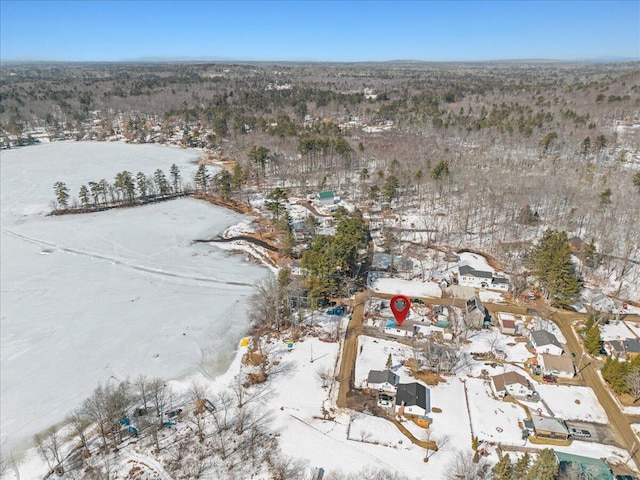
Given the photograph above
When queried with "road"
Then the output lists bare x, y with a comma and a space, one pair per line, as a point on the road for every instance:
617, 419
349, 349
563, 318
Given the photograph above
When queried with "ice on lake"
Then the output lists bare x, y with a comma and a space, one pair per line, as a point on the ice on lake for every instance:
110, 295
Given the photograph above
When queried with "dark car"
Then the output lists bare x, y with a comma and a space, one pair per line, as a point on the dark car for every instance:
626, 477
549, 379
417, 300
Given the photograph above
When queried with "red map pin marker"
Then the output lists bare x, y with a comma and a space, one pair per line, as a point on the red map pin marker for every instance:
400, 306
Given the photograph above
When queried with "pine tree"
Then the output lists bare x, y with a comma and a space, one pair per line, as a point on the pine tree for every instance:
389, 362
62, 194
143, 185
550, 262
521, 467
84, 196
503, 470
592, 341
237, 178
545, 467
160, 180
201, 179
175, 178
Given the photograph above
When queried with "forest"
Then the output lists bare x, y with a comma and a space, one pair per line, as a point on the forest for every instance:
490, 155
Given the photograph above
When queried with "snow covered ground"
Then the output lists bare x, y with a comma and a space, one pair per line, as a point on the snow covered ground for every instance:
406, 287
572, 402
113, 294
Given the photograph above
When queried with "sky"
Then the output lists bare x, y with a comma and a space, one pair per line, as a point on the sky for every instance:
307, 30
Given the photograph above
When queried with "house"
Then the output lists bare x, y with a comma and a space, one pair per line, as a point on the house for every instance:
545, 342
557, 365
384, 381
326, 198
511, 383
500, 283
470, 277
623, 349
413, 399
476, 315
507, 323
549, 427
578, 466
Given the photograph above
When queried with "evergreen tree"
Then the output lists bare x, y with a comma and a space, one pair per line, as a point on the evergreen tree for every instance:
389, 362
62, 194
605, 196
390, 188
503, 470
174, 172
440, 170
545, 467
550, 262
143, 185
592, 341
222, 181
636, 180
95, 192
521, 467
259, 156
161, 183
237, 178
201, 179
84, 196
275, 201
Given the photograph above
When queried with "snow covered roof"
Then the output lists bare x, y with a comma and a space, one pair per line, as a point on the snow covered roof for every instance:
384, 376
542, 337
414, 394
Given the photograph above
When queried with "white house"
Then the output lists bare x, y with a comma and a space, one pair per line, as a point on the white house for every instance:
545, 342
384, 381
511, 383
557, 365
413, 399
469, 277
326, 198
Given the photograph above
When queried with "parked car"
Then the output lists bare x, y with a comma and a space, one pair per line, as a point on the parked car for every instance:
626, 477
336, 311
384, 403
417, 300
577, 432
384, 396
549, 379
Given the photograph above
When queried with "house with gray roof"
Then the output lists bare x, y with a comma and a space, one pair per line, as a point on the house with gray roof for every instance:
384, 381
549, 427
623, 349
413, 399
545, 342
470, 277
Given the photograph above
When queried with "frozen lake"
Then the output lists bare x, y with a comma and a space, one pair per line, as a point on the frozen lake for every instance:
120, 293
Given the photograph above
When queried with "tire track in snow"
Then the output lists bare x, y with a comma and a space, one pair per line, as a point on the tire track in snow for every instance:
122, 263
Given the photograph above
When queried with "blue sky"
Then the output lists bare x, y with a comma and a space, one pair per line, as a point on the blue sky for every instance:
318, 31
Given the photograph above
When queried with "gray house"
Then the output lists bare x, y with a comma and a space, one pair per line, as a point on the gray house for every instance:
384, 381
413, 399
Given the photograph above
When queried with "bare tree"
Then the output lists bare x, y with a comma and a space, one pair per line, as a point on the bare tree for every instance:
48, 444
79, 422
324, 375
159, 394
463, 468
142, 386
632, 381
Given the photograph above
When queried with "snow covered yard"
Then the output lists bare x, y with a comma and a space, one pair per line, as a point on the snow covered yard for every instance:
410, 288
492, 420
572, 402
373, 354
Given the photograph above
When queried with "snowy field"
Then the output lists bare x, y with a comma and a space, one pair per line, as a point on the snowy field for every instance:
572, 403
113, 294
406, 287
